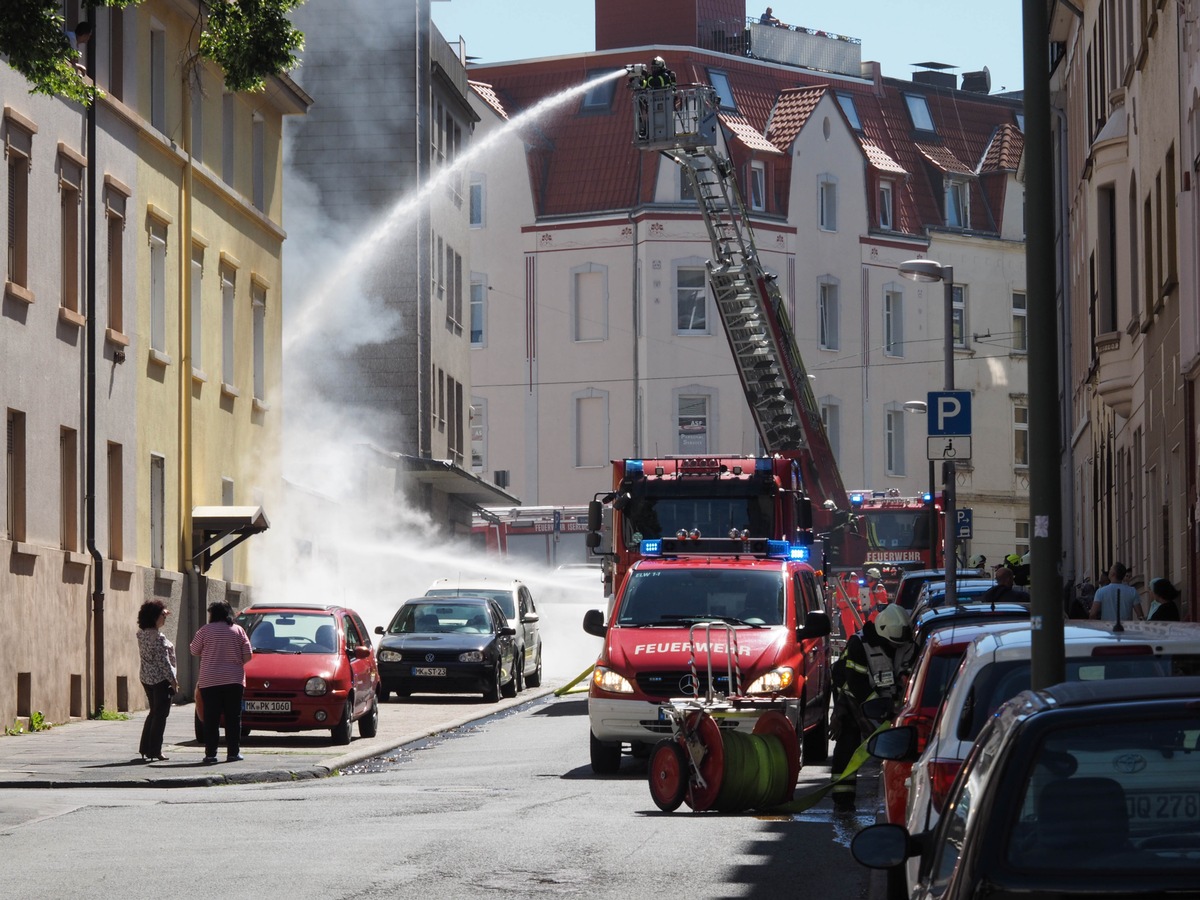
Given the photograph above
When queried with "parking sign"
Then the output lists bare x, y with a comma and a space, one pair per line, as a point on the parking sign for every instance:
949, 413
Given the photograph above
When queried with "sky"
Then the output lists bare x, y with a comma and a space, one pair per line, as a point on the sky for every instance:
965, 34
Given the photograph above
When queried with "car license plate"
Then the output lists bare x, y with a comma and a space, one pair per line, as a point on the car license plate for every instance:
1164, 806
267, 706
419, 671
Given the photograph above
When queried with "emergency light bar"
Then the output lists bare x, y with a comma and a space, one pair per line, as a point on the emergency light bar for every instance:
760, 547
856, 499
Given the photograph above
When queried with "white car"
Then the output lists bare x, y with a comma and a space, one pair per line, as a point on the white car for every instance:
517, 602
995, 668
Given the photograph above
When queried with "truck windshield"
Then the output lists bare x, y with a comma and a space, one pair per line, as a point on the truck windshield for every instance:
897, 529
682, 596
712, 507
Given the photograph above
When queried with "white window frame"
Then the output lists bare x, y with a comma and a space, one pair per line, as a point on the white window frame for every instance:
1020, 313
918, 111
258, 314
591, 325
846, 102
829, 313
478, 426
893, 440
691, 266
478, 316
827, 202
758, 186
886, 205
158, 286
720, 83
1020, 434
597, 458
957, 203
831, 418
690, 394
893, 321
477, 209
197, 336
959, 315
228, 329
158, 508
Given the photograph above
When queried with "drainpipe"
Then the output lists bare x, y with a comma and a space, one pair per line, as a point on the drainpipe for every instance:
637, 434
89, 502
185, 326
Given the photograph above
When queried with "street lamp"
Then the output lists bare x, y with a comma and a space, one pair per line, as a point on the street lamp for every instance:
927, 271
921, 408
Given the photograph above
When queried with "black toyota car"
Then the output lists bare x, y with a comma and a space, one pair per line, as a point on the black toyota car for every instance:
448, 645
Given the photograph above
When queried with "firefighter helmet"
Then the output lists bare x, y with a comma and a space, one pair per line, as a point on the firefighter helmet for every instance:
874, 573
659, 61
894, 625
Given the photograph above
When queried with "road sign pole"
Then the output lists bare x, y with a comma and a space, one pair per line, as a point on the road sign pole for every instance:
948, 499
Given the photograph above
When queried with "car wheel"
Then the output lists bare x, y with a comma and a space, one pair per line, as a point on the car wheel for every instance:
606, 758
668, 774
816, 739
509, 688
368, 725
341, 731
519, 671
535, 677
492, 693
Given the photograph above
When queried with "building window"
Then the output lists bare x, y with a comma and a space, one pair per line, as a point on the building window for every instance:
228, 310
693, 415
68, 445
959, 310
440, 269
827, 310
831, 418
827, 202
1021, 538
893, 322
116, 50
228, 137
454, 291
197, 304
691, 303
885, 205
158, 77
589, 303
687, 190
1020, 331
158, 505
19, 148
258, 156
957, 213
846, 102
477, 198
478, 311
478, 434
456, 443
158, 287
720, 83
599, 96
918, 110
1020, 434
894, 441
116, 502
70, 186
441, 401
258, 309
591, 428
758, 186
14, 479
114, 211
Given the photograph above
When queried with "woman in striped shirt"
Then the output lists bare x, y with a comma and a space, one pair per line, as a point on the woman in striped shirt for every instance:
157, 674
224, 650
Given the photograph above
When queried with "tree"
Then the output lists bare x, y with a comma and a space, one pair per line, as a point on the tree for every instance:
250, 39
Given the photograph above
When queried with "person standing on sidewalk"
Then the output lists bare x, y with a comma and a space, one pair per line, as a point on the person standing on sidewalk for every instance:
158, 674
1116, 601
224, 650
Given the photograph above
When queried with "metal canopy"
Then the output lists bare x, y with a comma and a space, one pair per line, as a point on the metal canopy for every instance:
212, 524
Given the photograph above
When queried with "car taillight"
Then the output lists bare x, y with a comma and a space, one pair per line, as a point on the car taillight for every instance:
941, 776
923, 724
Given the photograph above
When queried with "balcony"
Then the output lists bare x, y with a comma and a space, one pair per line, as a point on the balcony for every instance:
1115, 374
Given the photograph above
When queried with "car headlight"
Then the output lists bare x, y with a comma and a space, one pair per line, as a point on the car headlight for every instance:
608, 680
316, 686
471, 656
773, 682
390, 656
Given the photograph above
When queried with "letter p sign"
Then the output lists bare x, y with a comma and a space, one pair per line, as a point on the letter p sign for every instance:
949, 413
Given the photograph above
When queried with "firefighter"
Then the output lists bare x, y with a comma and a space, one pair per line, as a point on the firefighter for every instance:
659, 75
876, 663
875, 595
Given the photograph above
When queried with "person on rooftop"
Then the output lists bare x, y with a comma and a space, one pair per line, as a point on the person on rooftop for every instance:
768, 18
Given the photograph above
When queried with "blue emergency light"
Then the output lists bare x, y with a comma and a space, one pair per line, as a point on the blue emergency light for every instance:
856, 499
651, 547
634, 467
927, 497
762, 465
799, 554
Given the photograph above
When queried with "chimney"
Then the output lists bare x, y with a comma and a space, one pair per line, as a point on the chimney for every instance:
936, 79
977, 82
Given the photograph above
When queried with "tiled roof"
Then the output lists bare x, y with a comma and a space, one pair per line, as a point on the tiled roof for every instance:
747, 134
583, 161
488, 96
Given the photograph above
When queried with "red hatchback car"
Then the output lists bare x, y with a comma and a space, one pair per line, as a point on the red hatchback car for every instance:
313, 667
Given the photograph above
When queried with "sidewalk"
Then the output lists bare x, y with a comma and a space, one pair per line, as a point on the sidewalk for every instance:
104, 753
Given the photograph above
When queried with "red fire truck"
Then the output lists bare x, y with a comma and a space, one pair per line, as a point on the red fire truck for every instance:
550, 535
898, 529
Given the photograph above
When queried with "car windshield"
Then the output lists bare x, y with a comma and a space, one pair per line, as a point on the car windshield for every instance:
291, 632
1120, 797
502, 597
681, 596
1003, 681
441, 618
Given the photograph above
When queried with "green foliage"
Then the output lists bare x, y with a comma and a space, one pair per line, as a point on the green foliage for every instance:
109, 715
37, 722
250, 39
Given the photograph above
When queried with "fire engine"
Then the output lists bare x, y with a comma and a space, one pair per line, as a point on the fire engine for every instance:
553, 535
796, 487
898, 528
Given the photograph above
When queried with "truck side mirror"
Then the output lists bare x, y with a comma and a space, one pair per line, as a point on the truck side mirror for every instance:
593, 622
595, 512
816, 625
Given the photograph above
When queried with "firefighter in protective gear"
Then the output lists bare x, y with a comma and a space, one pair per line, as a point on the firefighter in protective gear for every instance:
876, 663
848, 604
875, 596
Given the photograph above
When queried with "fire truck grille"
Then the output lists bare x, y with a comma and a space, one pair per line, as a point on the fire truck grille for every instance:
679, 683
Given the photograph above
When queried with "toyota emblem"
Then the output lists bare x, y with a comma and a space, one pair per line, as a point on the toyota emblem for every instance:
1130, 763
687, 685
428, 657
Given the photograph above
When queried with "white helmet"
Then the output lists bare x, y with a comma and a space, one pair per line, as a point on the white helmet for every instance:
893, 624
874, 573
659, 61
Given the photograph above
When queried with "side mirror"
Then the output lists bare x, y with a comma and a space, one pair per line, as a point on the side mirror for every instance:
897, 744
379, 629
508, 631
593, 622
883, 846
595, 511
816, 625
531, 617
362, 652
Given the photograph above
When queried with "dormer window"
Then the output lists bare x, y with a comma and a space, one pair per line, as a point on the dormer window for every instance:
846, 102
885, 205
918, 110
957, 196
758, 186
599, 97
720, 83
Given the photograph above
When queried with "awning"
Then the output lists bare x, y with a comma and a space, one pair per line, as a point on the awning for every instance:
211, 524
445, 476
